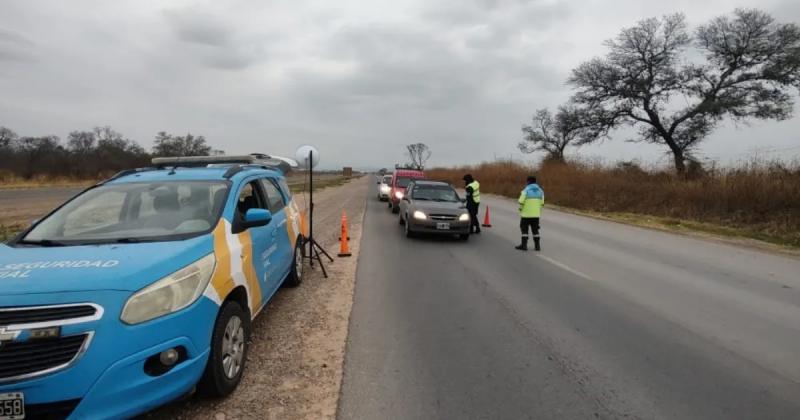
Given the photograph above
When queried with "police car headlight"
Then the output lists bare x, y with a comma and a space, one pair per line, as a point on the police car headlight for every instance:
420, 215
170, 294
385, 189
464, 217
398, 194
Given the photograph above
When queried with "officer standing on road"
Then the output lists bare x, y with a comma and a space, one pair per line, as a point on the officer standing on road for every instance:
531, 201
473, 202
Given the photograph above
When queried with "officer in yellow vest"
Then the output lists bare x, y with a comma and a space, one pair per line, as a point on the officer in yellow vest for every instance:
473, 202
531, 201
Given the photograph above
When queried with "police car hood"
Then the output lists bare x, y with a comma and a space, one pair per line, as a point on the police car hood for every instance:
128, 267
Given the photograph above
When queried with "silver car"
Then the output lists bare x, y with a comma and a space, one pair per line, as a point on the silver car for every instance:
433, 207
384, 187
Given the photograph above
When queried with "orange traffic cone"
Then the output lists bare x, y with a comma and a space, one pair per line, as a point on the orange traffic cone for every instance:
486, 222
344, 240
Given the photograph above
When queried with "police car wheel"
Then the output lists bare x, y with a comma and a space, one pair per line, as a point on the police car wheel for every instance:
229, 346
296, 275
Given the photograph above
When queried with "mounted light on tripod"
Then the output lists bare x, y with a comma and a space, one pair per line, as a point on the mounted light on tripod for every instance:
307, 158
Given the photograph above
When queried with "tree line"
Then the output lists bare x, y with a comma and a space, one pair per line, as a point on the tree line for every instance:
89, 154
675, 85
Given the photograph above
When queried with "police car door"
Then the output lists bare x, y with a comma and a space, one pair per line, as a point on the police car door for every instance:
256, 243
281, 257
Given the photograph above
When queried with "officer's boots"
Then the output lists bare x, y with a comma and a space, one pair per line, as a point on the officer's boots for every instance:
536, 244
524, 245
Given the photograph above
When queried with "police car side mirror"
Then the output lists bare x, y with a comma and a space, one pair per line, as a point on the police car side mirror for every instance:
256, 217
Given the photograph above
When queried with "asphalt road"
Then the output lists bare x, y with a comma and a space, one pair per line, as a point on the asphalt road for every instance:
608, 321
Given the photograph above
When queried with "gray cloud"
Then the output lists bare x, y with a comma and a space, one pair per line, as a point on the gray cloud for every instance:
214, 42
14, 47
359, 79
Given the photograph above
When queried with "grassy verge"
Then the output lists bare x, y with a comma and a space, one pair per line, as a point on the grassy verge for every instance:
8, 231
690, 227
28, 185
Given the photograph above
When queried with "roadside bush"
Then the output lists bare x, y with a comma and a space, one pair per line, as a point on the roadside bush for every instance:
761, 199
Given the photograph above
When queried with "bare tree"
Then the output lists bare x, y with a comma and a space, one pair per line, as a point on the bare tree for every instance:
188, 145
7, 136
647, 79
418, 154
552, 134
34, 153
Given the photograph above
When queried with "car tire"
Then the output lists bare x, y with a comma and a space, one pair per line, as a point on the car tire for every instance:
390, 204
409, 233
295, 277
395, 209
229, 346
464, 236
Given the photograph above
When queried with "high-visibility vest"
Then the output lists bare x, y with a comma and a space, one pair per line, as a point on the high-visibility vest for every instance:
531, 201
476, 191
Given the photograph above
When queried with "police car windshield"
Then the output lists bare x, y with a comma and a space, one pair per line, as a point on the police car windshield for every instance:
135, 212
435, 193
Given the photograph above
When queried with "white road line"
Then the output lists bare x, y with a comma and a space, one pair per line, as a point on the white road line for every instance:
564, 266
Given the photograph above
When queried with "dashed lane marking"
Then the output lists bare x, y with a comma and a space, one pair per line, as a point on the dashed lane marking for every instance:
564, 266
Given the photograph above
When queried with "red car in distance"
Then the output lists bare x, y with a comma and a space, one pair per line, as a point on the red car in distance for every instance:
400, 181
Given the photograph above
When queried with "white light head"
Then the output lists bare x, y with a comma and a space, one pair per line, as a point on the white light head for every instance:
302, 156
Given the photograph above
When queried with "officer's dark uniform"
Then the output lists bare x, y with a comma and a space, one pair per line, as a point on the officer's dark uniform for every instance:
473, 202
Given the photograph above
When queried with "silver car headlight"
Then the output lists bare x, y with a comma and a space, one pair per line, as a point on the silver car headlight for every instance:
420, 215
464, 217
170, 294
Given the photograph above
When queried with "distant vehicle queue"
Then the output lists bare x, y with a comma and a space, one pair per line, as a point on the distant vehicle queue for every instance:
428, 206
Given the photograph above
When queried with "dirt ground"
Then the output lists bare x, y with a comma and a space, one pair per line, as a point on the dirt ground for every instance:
19, 207
294, 368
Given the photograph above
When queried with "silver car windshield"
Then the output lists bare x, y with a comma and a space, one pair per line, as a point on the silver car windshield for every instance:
435, 193
133, 212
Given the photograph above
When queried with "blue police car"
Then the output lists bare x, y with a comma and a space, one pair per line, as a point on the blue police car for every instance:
143, 287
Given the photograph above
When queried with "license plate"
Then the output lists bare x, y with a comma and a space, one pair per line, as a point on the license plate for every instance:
443, 226
12, 406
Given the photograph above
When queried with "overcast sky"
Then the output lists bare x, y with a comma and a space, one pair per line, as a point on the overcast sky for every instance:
359, 79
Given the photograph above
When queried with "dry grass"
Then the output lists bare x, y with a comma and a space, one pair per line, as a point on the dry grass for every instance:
758, 200
10, 181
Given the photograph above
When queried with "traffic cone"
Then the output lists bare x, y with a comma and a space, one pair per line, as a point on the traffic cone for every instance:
486, 222
344, 240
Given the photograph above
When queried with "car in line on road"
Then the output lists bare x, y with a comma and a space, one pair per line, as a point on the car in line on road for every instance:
433, 207
400, 181
385, 187
144, 286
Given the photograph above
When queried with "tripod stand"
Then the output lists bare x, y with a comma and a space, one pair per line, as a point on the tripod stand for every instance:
314, 247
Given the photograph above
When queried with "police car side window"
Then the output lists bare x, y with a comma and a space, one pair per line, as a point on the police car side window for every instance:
274, 196
249, 198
